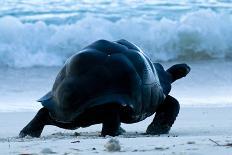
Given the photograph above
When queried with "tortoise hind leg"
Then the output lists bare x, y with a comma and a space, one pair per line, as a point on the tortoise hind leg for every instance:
165, 116
111, 121
35, 127
178, 71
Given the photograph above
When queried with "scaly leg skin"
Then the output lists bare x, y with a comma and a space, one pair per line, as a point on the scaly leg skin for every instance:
35, 127
165, 116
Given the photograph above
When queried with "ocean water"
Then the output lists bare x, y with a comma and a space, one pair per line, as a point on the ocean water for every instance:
36, 37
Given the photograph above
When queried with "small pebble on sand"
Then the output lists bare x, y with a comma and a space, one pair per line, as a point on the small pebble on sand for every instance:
76, 134
161, 148
47, 151
191, 142
112, 145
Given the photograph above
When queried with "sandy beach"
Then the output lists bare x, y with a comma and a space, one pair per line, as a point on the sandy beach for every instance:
193, 133
37, 37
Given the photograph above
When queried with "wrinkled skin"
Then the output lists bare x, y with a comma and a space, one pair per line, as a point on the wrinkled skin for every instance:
109, 83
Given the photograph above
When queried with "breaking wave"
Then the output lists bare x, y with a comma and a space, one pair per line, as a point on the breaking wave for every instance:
203, 34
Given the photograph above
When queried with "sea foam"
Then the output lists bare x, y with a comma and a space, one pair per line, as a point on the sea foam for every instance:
202, 34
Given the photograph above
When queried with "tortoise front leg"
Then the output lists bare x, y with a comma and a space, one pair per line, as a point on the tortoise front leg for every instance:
165, 116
